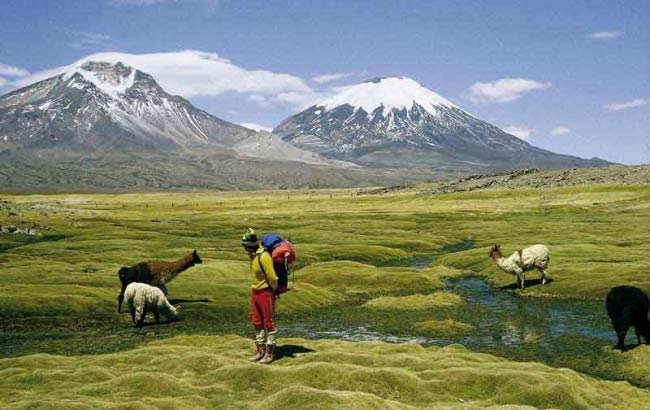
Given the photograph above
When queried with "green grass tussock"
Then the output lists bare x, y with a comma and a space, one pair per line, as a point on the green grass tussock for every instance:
436, 300
190, 372
630, 365
442, 328
362, 278
364, 261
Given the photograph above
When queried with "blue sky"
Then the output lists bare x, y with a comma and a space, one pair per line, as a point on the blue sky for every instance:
573, 77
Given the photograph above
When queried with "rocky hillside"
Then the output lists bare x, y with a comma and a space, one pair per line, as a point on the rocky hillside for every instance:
110, 126
533, 178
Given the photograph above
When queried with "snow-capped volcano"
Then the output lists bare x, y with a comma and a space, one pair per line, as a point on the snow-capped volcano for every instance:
387, 93
101, 104
396, 122
101, 124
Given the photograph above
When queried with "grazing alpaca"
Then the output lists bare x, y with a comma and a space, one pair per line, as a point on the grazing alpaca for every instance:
154, 273
629, 306
142, 298
522, 261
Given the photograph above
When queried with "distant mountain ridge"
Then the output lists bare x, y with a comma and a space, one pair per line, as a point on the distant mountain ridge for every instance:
396, 122
111, 126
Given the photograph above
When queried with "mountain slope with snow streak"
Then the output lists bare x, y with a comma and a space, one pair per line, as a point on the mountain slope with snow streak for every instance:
397, 122
101, 104
109, 126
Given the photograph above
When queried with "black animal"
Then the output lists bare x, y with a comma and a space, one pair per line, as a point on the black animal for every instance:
154, 273
629, 306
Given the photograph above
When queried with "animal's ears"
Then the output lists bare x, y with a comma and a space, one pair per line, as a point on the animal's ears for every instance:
194, 251
497, 246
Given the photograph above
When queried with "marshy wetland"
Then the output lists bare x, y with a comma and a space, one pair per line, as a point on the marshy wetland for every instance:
395, 303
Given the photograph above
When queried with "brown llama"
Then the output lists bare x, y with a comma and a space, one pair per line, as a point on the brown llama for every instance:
154, 273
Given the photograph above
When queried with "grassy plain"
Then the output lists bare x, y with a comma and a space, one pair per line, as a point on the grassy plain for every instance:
58, 296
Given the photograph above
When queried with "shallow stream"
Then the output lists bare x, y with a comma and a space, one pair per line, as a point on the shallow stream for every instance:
552, 330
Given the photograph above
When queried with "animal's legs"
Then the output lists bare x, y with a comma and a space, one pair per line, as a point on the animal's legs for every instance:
544, 275
139, 315
132, 311
120, 298
163, 288
621, 339
621, 326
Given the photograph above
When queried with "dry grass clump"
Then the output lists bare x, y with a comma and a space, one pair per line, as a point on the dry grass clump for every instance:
442, 328
631, 365
436, 300
445, 272
359, 277
194, 372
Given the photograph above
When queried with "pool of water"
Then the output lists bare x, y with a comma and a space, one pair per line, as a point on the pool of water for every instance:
552, 330
504, 318
500, 318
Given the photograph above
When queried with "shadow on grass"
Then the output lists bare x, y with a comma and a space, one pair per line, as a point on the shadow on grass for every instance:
161, 323
527, 283
291, 351
174, 301
629, 347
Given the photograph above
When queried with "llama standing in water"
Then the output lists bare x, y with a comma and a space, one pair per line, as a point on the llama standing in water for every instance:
522, 261
155, 273
629, 306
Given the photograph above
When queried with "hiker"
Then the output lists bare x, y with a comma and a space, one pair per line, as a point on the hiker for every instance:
263, 294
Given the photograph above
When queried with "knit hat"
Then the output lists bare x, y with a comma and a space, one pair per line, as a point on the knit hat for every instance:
249, 239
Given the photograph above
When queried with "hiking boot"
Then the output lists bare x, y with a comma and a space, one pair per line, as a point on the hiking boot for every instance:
259, 353
268, 356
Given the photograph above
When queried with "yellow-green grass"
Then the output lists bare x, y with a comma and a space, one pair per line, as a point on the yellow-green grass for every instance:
193, 372
630, 365
436, 300
442, 328
362, 278
351, 250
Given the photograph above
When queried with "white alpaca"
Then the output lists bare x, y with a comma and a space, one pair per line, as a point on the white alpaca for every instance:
522, 261
142, 298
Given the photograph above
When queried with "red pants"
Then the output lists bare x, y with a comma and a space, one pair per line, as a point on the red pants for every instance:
263, 302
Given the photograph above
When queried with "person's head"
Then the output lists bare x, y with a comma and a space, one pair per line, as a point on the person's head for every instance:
249, 241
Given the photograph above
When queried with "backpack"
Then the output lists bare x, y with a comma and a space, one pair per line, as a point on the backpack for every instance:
283, 254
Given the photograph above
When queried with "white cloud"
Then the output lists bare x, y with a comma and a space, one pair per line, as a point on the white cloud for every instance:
256, 127
523, 133
559, 131
12, 71
328, 78
301, 100
503, 90
639, 102
192, 73
605, 35
257, 98
88, 39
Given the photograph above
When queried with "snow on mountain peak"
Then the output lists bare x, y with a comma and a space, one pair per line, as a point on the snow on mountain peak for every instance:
387, 92
112, 79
